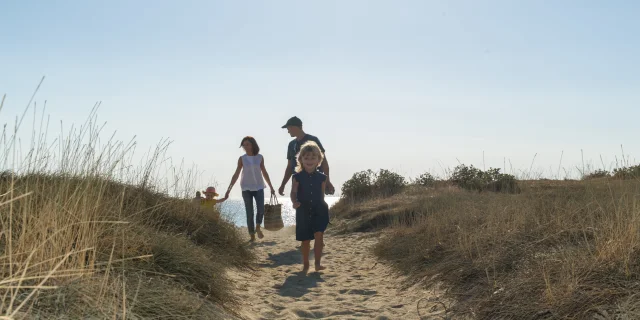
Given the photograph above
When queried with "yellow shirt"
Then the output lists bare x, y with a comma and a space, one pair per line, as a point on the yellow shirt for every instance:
209, 205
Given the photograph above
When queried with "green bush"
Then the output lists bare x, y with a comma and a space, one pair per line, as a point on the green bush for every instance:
597, 175
632, 172
359, 186
472, 178
426, 180
388, 183
366, 184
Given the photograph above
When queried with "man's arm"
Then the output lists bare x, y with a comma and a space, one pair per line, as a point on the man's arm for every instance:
287, 175
325, 168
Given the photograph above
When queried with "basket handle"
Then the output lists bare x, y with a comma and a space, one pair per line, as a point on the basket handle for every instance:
273, 200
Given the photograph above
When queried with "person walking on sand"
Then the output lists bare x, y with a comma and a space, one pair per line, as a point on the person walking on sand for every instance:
307, 195
252, 167
294, 128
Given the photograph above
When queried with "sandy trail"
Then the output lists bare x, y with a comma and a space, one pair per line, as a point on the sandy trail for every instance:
355, 284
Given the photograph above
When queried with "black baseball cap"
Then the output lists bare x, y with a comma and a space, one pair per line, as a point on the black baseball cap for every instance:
293, 121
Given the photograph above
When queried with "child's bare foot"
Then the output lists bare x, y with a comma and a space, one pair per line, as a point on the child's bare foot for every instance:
319, 267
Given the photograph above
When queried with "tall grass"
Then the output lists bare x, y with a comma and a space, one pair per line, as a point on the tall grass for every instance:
87, 234
557, 250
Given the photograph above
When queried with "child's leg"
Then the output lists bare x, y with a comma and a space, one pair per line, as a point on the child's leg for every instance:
318, 244
306, 249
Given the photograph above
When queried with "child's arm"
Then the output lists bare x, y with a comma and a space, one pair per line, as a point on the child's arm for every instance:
294, 194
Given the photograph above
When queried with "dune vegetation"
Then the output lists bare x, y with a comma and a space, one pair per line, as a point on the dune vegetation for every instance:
505, 248
85, 234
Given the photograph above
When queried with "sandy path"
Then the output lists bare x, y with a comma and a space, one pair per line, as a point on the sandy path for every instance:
354, 286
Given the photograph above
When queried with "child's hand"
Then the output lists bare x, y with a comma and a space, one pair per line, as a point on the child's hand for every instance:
296, 205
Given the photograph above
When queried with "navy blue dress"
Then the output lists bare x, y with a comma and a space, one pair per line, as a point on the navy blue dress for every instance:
313, 214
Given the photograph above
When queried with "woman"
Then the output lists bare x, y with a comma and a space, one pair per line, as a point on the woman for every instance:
251, 164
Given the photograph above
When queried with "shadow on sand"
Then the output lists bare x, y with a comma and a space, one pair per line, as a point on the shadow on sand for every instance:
263, 244
297, 285
286, 258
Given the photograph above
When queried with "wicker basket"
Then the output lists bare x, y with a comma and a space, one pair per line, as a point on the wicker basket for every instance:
273, 215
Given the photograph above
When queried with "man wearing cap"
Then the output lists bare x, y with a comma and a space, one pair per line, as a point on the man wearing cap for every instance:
294, 127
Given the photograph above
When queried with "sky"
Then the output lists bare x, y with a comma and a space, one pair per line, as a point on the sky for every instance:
409, 86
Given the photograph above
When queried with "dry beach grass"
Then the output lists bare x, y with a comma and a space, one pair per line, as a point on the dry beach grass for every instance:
86, 235
556, 250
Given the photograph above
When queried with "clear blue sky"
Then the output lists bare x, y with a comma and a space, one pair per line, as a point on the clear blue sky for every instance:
405, 85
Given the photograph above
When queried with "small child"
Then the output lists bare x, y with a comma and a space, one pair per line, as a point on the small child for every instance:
209, 202
198, 199
307, 195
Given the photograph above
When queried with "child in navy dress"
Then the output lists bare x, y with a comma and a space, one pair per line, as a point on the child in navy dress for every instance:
307, 195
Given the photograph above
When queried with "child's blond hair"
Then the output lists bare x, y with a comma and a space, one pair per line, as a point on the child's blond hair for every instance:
309, 147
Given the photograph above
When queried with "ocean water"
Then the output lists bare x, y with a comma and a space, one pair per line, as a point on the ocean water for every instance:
234, 210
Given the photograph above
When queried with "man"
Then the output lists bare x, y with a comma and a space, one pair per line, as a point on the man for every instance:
294, 127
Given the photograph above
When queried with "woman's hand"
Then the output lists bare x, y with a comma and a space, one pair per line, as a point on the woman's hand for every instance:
296, 205
273, 191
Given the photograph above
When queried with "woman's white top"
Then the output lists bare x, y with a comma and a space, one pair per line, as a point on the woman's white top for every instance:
251, 173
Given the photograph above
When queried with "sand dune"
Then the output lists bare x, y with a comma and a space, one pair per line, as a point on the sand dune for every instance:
354, 286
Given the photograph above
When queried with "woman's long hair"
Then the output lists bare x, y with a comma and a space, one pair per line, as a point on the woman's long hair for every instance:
254, 145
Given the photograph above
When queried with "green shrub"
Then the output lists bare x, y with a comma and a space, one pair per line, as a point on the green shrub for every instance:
598, 174
632, 172
388, 183
472, 178
426, 180
359, 186
366, 184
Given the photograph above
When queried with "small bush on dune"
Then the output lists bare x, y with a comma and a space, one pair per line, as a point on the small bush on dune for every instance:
426, 180
472, 178
368, 184
598, 174
359, 186
632, 172
388, 183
